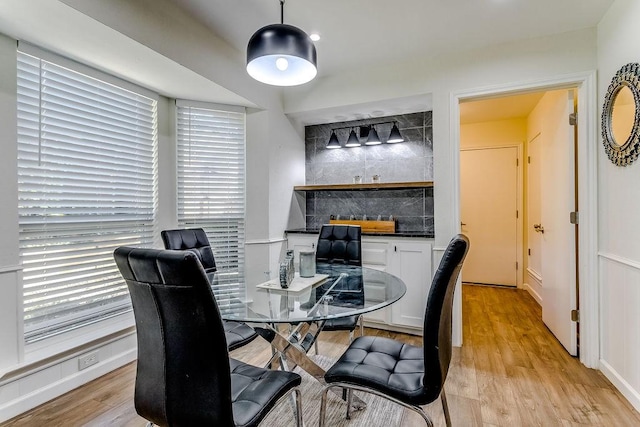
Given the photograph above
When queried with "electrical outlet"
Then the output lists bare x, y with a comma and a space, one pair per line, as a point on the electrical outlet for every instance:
87, 360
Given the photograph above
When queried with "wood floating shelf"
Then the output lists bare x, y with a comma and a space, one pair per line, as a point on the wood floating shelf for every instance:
368, 226
368, 186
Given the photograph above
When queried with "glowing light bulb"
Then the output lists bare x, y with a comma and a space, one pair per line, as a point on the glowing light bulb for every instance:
282, 64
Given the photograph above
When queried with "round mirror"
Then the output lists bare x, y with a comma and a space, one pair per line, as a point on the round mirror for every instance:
621, 116
623, 113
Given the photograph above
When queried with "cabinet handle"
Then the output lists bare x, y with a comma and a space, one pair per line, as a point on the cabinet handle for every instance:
395, 249
313, 246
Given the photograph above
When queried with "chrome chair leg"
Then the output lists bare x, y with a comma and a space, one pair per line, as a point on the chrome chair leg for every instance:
349, 398
445, 408
361, 321
298, 414
323, 407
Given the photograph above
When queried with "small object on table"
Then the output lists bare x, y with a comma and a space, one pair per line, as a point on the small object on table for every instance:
284, 274
307, 263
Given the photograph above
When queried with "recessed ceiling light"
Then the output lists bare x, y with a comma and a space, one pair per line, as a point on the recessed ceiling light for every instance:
315, 37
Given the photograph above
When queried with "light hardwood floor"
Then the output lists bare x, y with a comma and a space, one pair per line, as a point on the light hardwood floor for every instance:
510, 372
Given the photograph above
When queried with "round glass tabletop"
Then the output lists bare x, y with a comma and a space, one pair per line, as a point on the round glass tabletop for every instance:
335, 291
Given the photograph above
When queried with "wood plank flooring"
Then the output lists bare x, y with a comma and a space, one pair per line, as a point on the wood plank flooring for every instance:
510, 372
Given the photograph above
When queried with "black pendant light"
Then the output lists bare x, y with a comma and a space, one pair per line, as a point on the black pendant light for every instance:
281, 55
333, 141
353, 140
394, 135
373, 138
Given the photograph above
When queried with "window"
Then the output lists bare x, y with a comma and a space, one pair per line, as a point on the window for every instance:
87, 184
211, 187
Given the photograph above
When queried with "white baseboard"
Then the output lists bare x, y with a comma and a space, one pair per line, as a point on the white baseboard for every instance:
536, 296
632, 395
29, 401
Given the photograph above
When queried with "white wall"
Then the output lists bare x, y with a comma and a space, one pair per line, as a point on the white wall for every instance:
517, 62
619, 209
496, 133
10, 309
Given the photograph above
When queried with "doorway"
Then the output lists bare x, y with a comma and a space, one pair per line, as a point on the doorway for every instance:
587, 154
540, 121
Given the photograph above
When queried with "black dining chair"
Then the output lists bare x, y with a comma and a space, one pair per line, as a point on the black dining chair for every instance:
196, 241
408, 375
182, 378
340, 244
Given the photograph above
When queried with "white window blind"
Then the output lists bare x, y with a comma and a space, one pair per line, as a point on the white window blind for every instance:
87, 184
211, 188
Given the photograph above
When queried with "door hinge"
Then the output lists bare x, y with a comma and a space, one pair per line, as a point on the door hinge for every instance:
575, 315
574, 218
528, 159
517, 162
573, 119
529, 251
517, 213
516, 265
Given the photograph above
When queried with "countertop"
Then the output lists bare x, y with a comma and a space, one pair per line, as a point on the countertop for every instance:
418, 233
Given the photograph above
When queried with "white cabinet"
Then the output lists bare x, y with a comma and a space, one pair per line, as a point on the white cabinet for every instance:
375, 254
408, 258
411, 261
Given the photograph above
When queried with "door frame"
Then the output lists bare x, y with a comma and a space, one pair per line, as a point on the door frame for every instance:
588, 145
519, 204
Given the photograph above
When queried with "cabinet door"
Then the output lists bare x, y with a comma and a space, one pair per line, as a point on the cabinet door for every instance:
376, 255
411, 261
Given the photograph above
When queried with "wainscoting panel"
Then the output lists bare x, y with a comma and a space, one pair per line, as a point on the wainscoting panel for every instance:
620, 323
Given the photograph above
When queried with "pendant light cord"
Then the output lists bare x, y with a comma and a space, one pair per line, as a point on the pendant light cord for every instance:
282, 11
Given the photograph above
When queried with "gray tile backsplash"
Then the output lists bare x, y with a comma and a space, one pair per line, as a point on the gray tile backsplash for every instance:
411, 160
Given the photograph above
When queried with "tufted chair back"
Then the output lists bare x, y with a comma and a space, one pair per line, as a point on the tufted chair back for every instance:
339, 244
181, 378
194, 240
437, 318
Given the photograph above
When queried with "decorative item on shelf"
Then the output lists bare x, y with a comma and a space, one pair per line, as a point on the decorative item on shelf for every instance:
375, 179
368, 133
357, 179
281, 54
307, 263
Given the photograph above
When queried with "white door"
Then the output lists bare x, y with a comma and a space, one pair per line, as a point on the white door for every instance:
558, 238
489, 204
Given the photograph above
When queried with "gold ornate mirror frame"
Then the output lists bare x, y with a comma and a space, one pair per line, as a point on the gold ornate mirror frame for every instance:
622, 153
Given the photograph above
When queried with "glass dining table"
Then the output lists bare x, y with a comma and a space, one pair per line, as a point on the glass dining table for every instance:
335, 291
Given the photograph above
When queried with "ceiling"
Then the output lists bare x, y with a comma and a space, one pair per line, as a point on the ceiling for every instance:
509, 107
365, 33
356, 34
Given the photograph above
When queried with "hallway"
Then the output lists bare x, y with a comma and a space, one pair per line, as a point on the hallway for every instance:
511, 371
